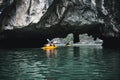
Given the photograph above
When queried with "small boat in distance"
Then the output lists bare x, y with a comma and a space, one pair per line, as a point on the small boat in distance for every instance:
67, 44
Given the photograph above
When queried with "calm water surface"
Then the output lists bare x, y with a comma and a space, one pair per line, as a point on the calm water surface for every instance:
64, 63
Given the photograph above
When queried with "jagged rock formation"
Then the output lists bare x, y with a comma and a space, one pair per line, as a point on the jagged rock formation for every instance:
99, 18
20, 13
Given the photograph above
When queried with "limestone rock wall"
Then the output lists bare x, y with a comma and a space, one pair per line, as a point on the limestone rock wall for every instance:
57, 18
20, 13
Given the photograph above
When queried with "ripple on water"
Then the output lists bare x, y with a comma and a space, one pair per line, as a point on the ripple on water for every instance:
66, 63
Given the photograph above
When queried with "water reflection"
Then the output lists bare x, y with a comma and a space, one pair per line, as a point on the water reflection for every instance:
111, 58
76, 51
64, 63
51, 53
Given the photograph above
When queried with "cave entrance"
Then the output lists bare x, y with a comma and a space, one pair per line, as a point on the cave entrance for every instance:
85, 39
77, 39
81, 39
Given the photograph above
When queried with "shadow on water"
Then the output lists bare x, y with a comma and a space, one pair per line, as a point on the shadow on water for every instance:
76, 51
63, 63
111, 58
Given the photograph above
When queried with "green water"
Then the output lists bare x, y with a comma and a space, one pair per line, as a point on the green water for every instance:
64, 63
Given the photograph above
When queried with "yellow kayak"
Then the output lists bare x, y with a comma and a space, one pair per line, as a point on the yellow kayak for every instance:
49, 47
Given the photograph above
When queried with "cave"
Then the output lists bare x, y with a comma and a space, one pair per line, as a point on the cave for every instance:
60, 18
